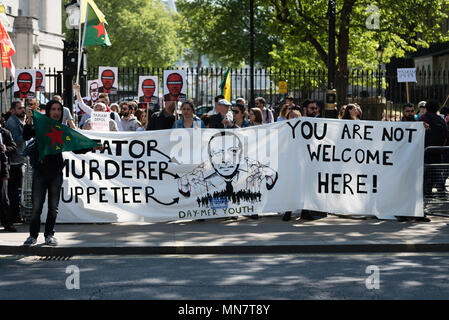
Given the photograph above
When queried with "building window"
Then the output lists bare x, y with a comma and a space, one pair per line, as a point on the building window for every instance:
8, 9
19, 12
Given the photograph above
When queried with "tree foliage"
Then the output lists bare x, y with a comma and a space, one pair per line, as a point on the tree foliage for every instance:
220, 31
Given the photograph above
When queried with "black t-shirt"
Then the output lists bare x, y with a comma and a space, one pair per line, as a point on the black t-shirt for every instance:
160, 121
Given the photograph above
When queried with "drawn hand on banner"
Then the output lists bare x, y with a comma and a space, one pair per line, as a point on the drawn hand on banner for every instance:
192, 182
257, 173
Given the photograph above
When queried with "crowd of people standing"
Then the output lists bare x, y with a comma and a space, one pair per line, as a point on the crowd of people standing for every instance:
17, 129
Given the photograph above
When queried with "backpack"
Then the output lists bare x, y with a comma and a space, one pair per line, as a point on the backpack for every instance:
437, 134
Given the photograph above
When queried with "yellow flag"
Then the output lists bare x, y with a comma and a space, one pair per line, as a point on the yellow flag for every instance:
99, 14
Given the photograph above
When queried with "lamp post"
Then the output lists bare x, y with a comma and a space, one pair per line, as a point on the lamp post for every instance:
70, 51
380, 52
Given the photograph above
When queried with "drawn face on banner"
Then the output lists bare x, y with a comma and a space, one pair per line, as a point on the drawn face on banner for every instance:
107, 79
93, 91
25, 82
148, 87
174, 84
39, 79
225, 153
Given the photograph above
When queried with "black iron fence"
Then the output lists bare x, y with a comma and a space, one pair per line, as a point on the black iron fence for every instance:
371, 89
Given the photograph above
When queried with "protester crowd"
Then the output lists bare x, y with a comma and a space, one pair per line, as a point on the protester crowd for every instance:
17, 129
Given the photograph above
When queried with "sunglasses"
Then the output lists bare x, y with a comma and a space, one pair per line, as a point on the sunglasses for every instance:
236, 111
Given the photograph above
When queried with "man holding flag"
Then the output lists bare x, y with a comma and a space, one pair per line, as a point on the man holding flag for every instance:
52, 139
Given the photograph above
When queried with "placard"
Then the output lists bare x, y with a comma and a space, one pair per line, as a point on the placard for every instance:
148, 89
100, 121
406, 74
175, 86
108, 77
25, 83
40, 80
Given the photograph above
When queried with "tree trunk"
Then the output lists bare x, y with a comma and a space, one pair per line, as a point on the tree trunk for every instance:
343, 48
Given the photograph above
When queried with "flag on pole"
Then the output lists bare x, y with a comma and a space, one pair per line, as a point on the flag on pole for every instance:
53, 137
94, 31
225, 85
6, 49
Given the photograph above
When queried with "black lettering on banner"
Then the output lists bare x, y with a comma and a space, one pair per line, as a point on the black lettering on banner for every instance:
140, 166
62, 196
83, 169
90, 192
118, 146
124, 195
308, 130
338, 183
125, 169
107, 165
79, 191
93, 167
103, 195
397, 134
107, 148
348, 134
131, 149
135, 194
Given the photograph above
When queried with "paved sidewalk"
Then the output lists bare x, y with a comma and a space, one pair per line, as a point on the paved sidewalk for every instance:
269, 234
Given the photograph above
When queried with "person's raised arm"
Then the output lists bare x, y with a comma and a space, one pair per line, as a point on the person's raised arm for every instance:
84, 107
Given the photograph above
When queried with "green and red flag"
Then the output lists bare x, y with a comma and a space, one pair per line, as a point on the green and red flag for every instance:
225, 85
53, 137
95, 33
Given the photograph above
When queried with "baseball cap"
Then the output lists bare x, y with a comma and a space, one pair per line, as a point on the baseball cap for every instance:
224, 102
421, 104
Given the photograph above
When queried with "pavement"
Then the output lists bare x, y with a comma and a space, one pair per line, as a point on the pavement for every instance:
268, 234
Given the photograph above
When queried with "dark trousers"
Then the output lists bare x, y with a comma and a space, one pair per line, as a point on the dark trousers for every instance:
14, 189
5, 212
43, 184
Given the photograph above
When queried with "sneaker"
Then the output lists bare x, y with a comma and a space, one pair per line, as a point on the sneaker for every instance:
29, 242
51, 241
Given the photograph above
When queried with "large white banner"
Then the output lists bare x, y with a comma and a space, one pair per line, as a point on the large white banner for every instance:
335, 166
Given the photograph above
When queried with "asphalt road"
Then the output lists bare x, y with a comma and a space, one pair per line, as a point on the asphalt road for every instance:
307, 276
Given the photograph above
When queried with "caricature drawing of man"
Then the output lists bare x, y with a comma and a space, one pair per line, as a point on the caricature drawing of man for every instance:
227, 174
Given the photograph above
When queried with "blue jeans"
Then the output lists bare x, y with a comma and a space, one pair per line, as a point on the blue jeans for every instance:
41, 184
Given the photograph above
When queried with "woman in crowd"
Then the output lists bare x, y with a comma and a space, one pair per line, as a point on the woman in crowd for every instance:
352, 112
189, 119
255, 116
293, 114
239, 114
115, 108
284, 112
141, 115
100, 107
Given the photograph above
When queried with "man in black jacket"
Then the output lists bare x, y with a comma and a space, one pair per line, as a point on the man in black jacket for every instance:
223, 118
7, 148
47, 178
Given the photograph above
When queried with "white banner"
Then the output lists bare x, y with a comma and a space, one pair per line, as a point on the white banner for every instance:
335, 166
